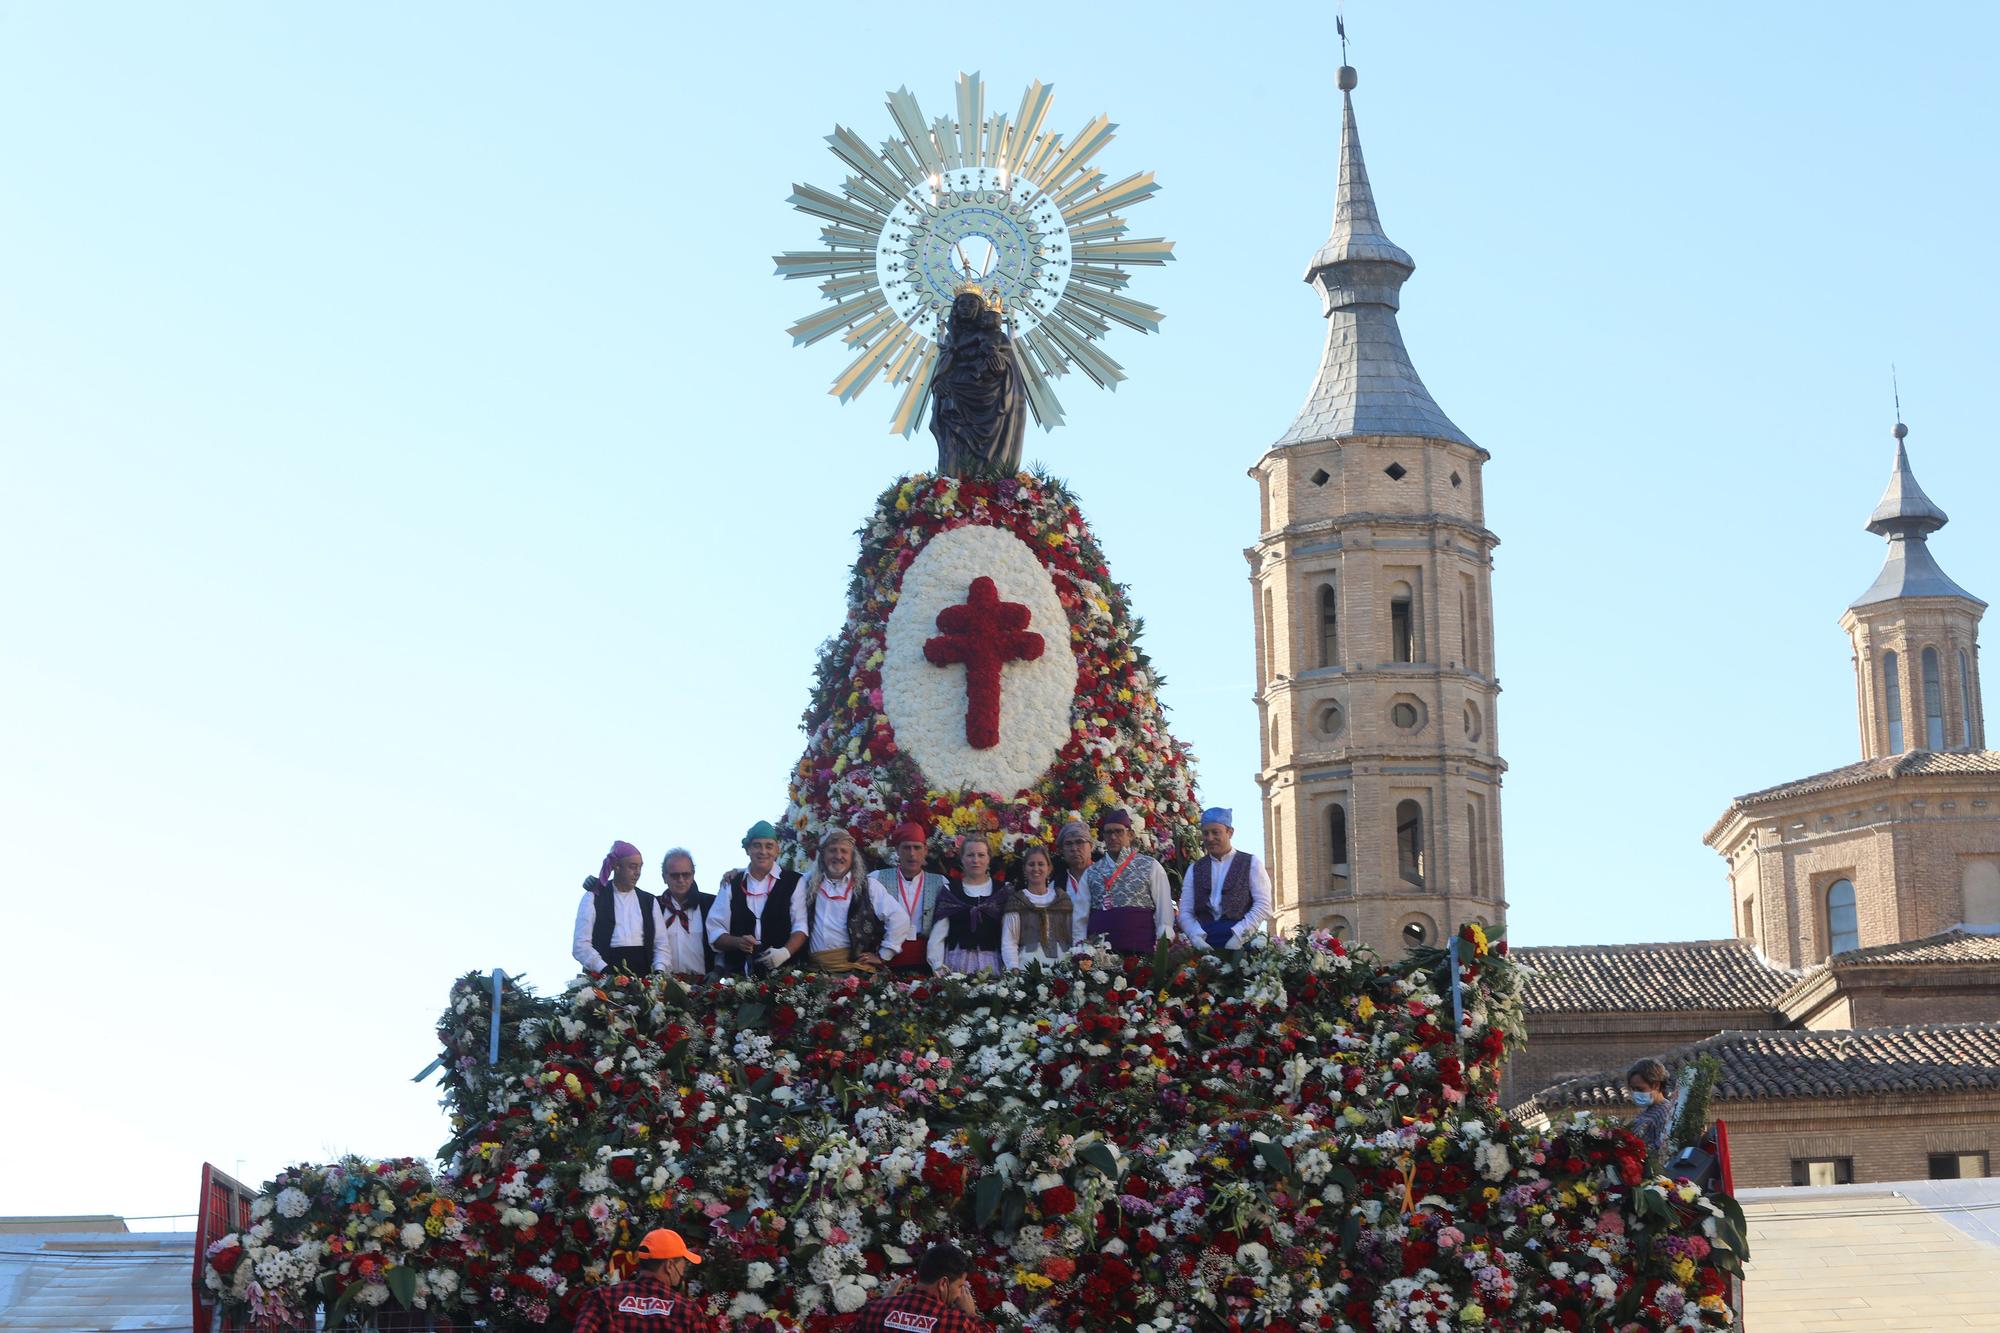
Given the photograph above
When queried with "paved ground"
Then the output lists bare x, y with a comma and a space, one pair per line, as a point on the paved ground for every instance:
1921, 1256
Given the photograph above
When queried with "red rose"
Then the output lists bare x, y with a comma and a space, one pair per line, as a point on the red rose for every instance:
624, 1168
224, 1261
1058, 1201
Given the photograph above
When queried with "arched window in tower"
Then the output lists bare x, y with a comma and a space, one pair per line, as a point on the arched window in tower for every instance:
1402, 623
1270, 640
1475, 881
1933, 702
1336, 840
1468, 620
1843, 930
1410, 841
1964, 702
1329, 626
1892, 702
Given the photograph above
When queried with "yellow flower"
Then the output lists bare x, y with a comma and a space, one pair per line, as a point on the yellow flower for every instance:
1478, 938
1033, 1281
1366, 1010
1474, 1314
1683, 1270
902, 504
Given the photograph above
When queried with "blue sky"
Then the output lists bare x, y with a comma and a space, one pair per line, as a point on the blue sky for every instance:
409, 486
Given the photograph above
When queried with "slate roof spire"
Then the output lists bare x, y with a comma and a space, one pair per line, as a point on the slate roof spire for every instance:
1906, 516
1366, 384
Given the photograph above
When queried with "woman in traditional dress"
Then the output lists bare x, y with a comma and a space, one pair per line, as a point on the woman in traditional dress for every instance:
965, 936
1040, 925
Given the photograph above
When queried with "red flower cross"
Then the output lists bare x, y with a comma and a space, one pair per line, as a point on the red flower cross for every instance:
983, 634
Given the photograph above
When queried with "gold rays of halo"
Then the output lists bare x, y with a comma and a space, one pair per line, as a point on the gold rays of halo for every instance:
978, 200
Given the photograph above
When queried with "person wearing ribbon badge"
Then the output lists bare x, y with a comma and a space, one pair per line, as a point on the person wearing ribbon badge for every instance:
916, 891
1226, 895
851, 922
750, 924
1130, 899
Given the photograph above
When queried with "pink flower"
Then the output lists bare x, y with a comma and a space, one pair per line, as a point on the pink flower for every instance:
1611, 1224
1450, 1238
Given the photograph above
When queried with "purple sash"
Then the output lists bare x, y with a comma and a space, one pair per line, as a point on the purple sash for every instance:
1132, 929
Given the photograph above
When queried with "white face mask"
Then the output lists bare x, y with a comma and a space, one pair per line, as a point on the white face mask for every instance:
1642, 1099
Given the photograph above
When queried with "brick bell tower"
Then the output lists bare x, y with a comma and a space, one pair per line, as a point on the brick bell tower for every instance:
1371, 584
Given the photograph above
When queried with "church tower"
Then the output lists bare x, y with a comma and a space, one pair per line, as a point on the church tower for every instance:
1372, 590
1915, 634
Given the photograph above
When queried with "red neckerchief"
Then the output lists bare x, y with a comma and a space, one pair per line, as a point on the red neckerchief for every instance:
845, 893
1112, 878
749, 879
676, 915
908, 900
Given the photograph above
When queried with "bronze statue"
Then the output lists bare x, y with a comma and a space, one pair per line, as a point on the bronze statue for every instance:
978, 409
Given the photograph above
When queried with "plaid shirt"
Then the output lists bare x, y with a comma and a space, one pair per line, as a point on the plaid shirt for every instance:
912, 1311
642, 1304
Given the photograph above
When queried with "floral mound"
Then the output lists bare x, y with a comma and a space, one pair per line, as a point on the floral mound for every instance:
1299, 1140
887, 725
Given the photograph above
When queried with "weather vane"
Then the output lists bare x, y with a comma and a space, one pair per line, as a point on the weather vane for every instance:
979, 202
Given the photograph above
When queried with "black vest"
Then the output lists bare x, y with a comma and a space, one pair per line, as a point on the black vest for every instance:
607, 921
865, 927
777, 924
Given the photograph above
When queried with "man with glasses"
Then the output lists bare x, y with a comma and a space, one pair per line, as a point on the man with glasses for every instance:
686, 951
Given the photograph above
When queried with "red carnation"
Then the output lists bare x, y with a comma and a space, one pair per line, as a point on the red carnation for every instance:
1058, 1201
623, 1168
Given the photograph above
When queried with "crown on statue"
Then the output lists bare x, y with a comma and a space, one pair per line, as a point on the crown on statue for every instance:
971, 287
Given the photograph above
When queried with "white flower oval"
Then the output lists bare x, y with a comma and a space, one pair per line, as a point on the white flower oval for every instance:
926, 704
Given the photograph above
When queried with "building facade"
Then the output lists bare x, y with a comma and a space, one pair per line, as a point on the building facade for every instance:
1855, 1019
1371, 585
1906, 842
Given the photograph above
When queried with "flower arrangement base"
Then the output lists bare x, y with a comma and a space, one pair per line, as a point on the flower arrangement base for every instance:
987, 679
1296, 1139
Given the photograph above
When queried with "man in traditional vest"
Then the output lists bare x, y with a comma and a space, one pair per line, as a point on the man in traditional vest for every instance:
1130, 899
1226, 895
618, 923
851, 922
915, 890
750, 923
684, 918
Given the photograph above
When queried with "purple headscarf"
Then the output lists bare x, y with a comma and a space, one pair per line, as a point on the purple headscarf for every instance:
619, 851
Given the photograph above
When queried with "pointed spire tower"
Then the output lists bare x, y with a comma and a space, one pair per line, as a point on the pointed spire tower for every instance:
1372, 582
1915, 633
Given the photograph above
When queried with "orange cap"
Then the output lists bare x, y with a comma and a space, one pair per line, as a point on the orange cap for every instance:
666, 1245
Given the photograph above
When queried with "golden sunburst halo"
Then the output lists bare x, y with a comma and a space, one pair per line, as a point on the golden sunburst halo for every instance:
974, 201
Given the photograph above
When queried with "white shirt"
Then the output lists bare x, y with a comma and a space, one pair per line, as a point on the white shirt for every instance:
756, 892
829, 915
1260, 900
916, 896
683, 949
1011, 956
1079, 901
628, 929
934, 948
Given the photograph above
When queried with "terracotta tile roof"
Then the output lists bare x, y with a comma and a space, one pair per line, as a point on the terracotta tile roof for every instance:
1957, 945
1650, 978
1764, 1066
1916, 763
